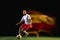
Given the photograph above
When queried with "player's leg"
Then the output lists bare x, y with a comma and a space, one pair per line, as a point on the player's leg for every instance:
25, 28
26, 33
19, 35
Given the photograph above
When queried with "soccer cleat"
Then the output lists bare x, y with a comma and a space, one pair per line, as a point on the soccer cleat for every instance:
26, 34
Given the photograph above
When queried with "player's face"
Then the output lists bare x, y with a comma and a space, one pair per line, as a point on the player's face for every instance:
24, 12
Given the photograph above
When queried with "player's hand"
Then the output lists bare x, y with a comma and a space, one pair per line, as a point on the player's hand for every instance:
16, 24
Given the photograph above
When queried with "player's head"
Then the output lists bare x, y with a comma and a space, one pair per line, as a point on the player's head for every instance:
24, 12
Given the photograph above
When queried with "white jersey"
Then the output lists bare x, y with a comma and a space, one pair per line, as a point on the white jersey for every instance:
26, 18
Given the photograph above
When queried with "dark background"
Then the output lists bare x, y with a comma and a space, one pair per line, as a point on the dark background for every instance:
10, 15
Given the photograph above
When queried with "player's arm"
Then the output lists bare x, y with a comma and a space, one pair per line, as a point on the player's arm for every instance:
30, 20
20, 21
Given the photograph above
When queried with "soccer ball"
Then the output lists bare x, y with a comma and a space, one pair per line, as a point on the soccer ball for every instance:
18, 37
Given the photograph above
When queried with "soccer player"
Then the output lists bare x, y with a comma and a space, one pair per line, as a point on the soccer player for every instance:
27, 23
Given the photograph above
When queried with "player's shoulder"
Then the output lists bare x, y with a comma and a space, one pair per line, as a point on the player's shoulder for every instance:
28, 15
